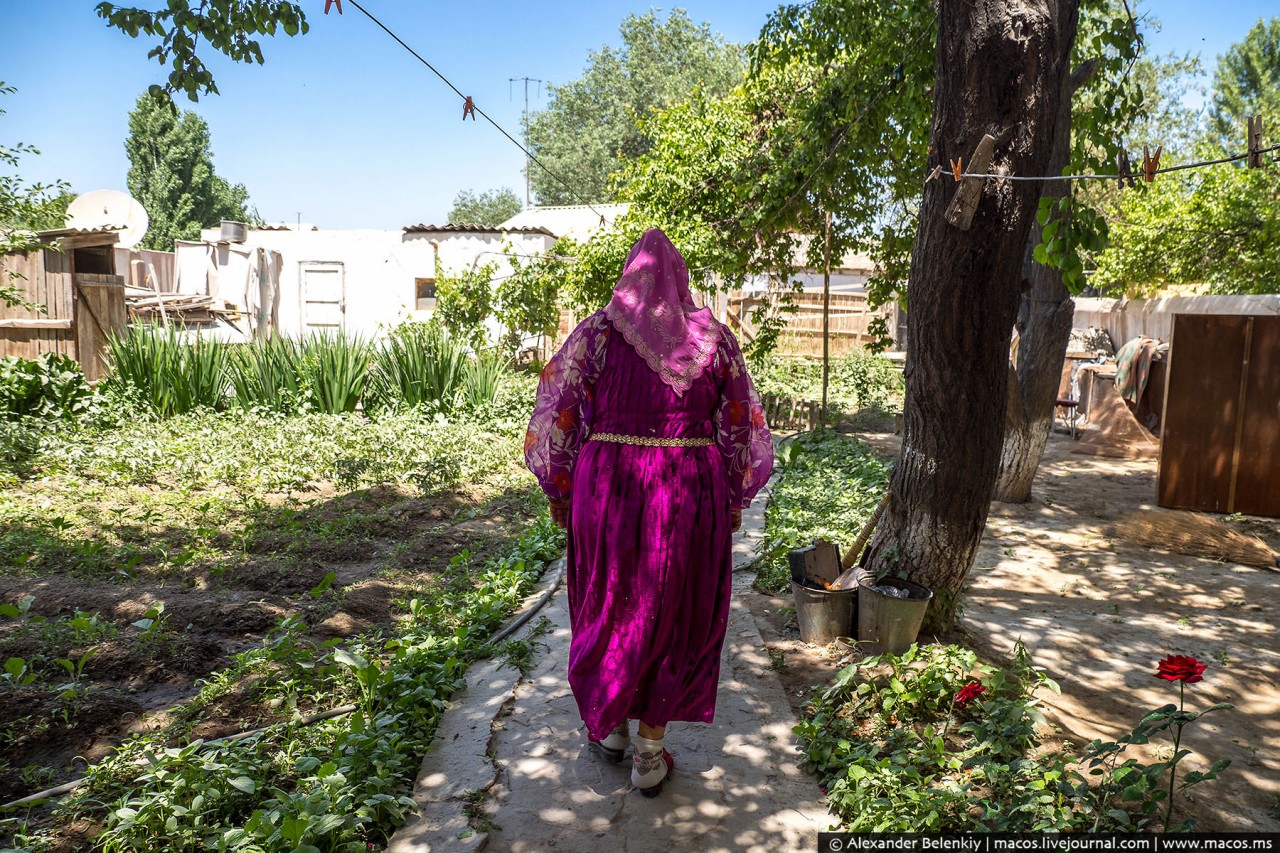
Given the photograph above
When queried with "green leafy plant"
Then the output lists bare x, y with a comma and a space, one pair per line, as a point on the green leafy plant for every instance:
168, 371
50, 386
1140, 784
419, 364
268, 374
464, 302
828, 488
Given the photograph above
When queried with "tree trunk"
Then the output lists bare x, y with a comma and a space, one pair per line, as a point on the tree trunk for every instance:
1000, 66
1044, 328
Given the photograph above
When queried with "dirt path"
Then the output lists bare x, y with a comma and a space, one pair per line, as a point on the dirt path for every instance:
1098, 613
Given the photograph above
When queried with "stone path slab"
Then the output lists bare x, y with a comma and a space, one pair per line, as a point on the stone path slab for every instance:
520, 743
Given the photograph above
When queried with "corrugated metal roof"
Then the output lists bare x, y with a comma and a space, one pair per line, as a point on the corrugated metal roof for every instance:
68, 232
454, 227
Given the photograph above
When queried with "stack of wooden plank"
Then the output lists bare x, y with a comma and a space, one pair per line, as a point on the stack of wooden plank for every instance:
147, 305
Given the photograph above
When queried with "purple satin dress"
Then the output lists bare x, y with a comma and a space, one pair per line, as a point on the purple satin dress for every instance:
649, 559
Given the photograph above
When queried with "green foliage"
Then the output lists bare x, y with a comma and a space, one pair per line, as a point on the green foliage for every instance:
828, 487
1217, 226
858, 380
464, 301
335, 371
591, 123
419, 364
1245, 83
24, 208
49, 386
169, 372
269, 374
182, 27
171, 174
898, 750
490, 208
528, 300
338, 785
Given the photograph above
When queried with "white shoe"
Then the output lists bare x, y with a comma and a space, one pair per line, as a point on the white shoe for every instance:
613, 745
650, 765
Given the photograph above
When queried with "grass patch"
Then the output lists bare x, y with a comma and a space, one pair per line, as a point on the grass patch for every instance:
828, 487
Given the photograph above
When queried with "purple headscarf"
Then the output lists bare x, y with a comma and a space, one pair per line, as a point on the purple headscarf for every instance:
654, 311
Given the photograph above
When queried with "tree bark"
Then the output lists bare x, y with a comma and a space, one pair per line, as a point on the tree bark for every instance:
1000, 66
1044, 329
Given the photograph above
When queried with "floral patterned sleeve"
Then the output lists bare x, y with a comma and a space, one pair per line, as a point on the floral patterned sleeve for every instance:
741, 433
563, 406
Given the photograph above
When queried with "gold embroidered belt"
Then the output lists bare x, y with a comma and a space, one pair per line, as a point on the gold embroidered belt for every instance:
646, 441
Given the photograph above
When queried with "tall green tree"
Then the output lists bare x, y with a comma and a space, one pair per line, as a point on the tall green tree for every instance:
1217, 225
184, 27
1247, 82
592, 122
171, 174
489, 208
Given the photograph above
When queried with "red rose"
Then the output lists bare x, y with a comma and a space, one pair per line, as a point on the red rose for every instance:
969, 692
566, 420
1180, 668
563, 482
757, 416
736, 411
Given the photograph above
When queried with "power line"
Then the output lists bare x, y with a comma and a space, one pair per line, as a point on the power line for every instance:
466, 100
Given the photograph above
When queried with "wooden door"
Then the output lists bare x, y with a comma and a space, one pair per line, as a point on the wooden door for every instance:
324, 302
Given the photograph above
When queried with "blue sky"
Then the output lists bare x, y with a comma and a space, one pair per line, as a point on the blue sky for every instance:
346, 129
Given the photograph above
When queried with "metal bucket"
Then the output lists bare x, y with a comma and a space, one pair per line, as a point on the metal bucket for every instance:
889, 624
824, 614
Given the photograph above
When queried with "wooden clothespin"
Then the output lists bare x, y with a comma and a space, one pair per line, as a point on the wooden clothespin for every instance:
328, 3
469, 109
1255, 142
937, 170
957, 167
1150, 164
1124, 170
964, 204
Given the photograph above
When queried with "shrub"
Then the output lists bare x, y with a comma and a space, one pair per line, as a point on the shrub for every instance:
418, 364
858, 381
51, 385
268, 374
169, 371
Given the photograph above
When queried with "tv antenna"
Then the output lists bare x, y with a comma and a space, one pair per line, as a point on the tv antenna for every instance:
528, 167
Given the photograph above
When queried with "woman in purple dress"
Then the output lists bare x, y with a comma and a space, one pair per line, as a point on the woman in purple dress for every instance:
648, 439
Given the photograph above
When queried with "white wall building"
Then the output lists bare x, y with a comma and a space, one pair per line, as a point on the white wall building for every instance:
303, 280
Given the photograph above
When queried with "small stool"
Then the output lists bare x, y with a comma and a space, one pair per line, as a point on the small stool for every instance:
1069, 418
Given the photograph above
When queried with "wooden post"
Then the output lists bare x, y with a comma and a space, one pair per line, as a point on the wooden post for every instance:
826, 319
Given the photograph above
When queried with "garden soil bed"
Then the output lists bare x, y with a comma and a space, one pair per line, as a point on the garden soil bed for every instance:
399, 547
1098, 613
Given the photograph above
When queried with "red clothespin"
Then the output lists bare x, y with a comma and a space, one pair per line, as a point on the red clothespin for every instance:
957, 167
1150, 164
1255, 142
469, 109
328, 3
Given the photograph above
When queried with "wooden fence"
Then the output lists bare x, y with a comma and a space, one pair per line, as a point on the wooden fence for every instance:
850, 322
71, 312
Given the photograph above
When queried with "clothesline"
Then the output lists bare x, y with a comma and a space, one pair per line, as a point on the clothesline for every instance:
470, 106
940, 171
